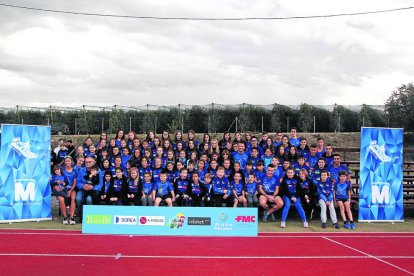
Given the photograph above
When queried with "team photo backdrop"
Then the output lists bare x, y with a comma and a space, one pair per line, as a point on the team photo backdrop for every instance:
381, 165
25, 173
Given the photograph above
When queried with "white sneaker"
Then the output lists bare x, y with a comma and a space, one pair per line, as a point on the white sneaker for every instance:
305, 224
283, 224
65, 221
72, 221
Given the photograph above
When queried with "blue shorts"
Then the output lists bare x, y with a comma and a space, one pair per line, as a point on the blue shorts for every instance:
62, 193
342, 198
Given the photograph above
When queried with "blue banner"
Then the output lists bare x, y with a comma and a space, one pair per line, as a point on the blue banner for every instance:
175, 221
381, 175
25, 173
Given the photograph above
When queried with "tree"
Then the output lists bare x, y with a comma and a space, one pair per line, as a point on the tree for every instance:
399, 108
279, 115
343, 119
370, 117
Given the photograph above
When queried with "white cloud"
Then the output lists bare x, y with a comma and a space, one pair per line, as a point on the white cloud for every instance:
72, 60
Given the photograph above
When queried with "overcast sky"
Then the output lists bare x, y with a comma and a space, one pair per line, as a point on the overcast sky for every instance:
71, 60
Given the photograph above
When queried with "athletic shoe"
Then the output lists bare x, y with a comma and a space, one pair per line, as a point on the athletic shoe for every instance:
311, 214
283, 224
65, 220
305, 224
353, 226
272, 217
336, 225
378, 151
22, 148
323, 225
72, 221
265, 216
347, 225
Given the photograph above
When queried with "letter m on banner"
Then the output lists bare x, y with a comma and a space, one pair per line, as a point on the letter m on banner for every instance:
24, 193
380, 197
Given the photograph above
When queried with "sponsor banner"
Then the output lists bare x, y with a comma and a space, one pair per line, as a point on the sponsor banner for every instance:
181, 221
152, 220
381, 175
25, 173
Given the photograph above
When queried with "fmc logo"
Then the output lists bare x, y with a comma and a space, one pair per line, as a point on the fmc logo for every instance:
245, 218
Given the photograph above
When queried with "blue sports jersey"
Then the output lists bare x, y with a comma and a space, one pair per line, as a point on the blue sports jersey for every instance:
246, 173
142, 171
125, 159
267, 160
147, 188
181, 186
312, 160
269, 184
62, 178
190, 174
316, 173
291, 190
334, 171
325, 190
228, 172
196, 189
298, 167
260, 174
71, 176
156, 174
171, 176
62, 154
251, 188
238, 187
213, 172
202, 174
219, 185
132, 187
163, 189
241, 158
341, 190
254, 161
306, 186
304, 151
328, 159
294, 141
118, 184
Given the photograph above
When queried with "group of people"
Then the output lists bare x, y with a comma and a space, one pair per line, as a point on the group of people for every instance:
239, 171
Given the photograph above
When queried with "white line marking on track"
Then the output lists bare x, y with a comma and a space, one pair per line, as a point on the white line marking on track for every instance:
369, 255
119, 255
261, 237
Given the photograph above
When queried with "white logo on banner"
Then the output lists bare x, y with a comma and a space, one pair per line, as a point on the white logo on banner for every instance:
380, 196
378, 151
22, 148
152, 220
22, 193
126, 220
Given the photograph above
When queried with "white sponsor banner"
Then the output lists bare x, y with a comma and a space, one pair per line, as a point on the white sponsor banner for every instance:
152, 220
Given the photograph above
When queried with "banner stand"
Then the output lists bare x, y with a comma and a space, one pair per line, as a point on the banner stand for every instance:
25, 193
381, 175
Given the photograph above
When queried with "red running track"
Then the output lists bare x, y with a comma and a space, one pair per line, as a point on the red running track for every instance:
34, 252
